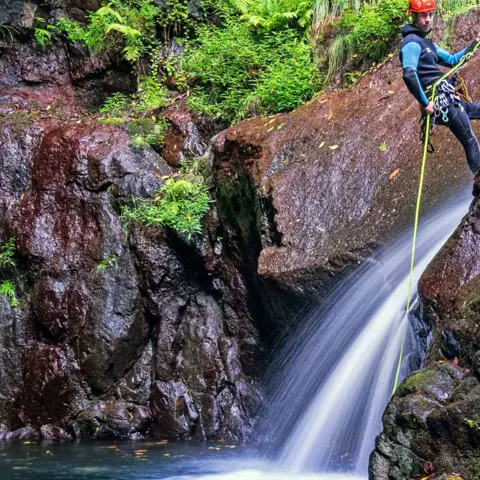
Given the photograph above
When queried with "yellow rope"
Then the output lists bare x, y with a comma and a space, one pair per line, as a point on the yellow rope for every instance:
459, 65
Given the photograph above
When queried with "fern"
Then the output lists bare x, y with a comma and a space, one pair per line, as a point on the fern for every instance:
7, 289
7, 252
108, 11
181, 203
275, 14
243, 6
125, 30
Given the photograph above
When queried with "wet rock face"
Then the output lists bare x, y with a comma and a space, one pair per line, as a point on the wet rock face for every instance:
19, 13
430, 426
205, 343
449, 290
156, 342
434, 418
187, 136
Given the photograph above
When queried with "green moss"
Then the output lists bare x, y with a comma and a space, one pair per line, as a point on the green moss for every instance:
418, 382
113, 121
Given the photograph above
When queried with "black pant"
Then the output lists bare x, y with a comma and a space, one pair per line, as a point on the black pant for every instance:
459, 124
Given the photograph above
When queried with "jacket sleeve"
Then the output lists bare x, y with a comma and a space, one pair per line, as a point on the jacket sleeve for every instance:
449, 60
410, 55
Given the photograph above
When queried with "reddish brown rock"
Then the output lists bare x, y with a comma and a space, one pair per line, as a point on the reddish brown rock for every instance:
187, 135
167, 311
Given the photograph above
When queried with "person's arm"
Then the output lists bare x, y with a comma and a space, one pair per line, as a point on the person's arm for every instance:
449, 60
410, 57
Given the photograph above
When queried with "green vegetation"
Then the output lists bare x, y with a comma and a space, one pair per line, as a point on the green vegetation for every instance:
277, 14
121, 109
383, 147
180, 203
106, 263
147, 131
452, 8
7, 289
43, 33
115, 106
242, 57
372, 28
7, 252
474, 468
474, 424
239, 72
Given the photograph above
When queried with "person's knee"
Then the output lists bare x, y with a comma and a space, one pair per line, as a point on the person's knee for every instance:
470, 141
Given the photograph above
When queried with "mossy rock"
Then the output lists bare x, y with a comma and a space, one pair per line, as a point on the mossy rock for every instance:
434, 383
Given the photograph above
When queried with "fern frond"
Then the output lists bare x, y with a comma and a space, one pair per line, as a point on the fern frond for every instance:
107, 11
124, 29
243, 6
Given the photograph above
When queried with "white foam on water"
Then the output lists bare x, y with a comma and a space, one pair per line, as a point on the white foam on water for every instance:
259, 475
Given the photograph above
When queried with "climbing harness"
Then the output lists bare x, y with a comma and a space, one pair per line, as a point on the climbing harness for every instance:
450, 92
438, 85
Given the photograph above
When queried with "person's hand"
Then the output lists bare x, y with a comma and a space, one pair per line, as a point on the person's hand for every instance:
430, 108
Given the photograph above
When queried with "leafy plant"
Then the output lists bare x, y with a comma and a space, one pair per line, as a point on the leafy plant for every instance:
373, 27
288, 81
7, 289
150, 95
106, 263
180, 203
276, 14
147, 131
474, 424
130, 23
7, 252
235, 69
115, 106
43, 37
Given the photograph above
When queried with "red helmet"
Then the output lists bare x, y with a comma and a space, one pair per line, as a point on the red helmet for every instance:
421, 6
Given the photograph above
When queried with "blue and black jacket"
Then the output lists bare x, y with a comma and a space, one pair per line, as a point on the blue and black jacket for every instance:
421, 58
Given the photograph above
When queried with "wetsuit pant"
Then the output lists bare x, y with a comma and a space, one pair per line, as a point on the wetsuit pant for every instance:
459, 124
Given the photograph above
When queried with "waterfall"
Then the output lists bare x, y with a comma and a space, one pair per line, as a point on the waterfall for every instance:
335, 376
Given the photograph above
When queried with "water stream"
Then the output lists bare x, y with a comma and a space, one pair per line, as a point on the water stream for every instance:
335, 377
329, 387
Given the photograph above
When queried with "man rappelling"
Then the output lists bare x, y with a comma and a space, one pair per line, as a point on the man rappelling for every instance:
421, 59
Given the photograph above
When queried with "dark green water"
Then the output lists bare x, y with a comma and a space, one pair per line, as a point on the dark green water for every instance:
116, 460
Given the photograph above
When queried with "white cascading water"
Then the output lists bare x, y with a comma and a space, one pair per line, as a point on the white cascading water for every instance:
334, 377
336, 374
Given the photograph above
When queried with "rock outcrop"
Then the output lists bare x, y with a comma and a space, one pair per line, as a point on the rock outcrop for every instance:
160, 340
